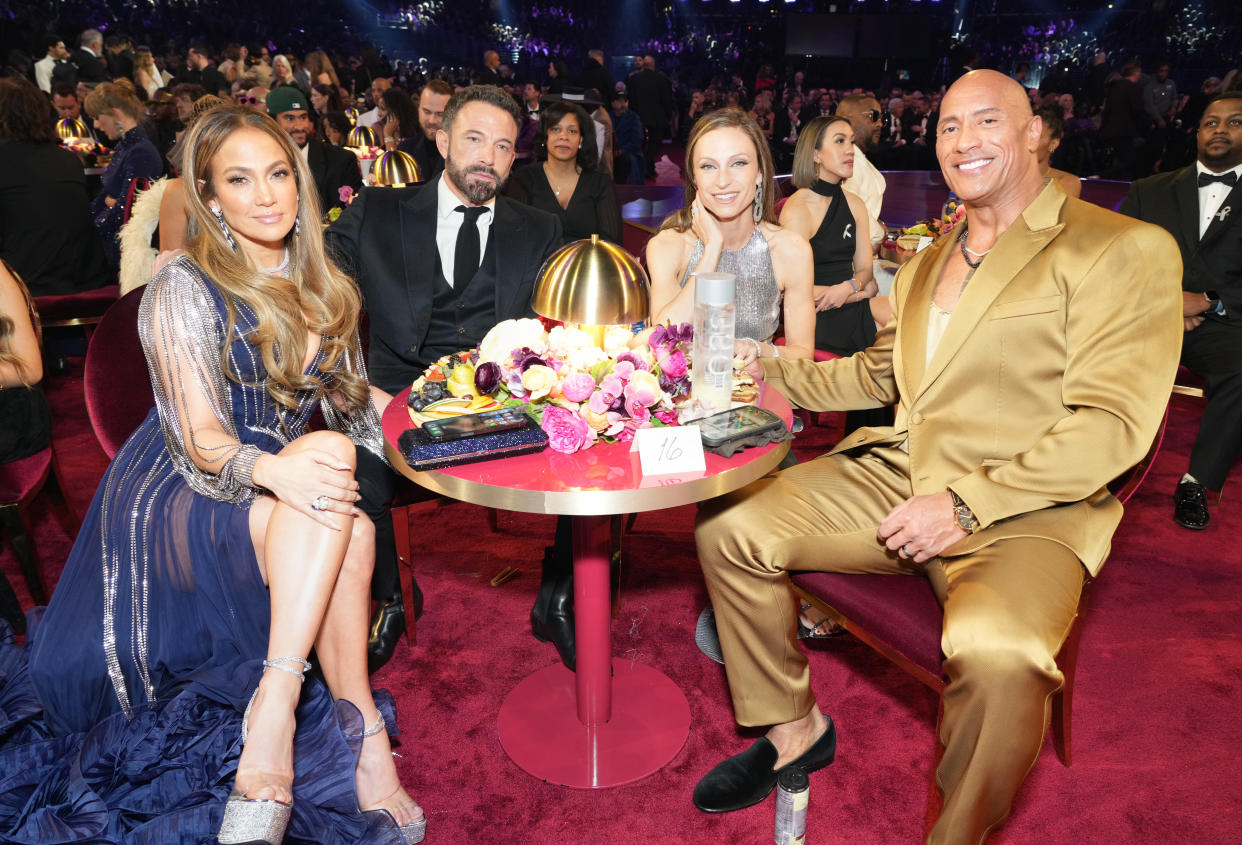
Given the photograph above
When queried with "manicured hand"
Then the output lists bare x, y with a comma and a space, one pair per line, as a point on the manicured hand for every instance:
299, 478
921, 527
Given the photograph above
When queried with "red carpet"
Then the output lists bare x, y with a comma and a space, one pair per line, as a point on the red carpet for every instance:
1156, 728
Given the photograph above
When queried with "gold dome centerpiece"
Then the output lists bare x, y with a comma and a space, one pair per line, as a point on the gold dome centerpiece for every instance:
352, 115
594, 284
362, 137
71, 127
395, 169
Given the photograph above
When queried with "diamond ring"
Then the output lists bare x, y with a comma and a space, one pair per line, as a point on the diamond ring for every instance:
320, 503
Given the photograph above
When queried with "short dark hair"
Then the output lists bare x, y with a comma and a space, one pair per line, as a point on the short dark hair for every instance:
25, 114
437, 86
1054, 120
200, 47
115, 41
1129, 68
552, 114
189, 90
489, 94
50, 41
64, 89
1226, 95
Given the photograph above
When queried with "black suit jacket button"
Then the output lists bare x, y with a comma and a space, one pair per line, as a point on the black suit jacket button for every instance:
461, 330
413, 350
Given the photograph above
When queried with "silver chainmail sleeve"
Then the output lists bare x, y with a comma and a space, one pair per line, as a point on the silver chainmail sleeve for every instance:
363, 427
182, 337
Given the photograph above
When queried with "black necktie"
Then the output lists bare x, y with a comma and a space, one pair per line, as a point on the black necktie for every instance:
466, 256
1230, 178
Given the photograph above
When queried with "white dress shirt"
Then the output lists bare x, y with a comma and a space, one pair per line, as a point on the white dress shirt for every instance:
1211, 198
43, 73
868, 184
448, 223
369, 118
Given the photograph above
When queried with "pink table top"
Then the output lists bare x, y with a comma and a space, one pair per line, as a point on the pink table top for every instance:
605, 479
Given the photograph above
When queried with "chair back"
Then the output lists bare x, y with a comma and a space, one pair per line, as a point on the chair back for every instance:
117, 386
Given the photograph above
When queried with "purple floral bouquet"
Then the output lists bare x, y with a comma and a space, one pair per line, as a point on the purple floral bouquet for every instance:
582, 392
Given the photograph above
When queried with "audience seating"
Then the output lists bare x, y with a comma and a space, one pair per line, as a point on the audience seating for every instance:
900, 618
116, 383
20, 482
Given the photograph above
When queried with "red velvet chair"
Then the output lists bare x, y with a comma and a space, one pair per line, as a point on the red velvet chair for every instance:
20, 482
900, 618
117, 387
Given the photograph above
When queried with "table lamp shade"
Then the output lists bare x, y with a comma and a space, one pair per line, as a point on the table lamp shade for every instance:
71, 127
362, 136
592, 282
395, 169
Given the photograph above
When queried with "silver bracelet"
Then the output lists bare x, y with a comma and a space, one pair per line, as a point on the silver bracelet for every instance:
242, 464
758, 351
776, 350
853, 283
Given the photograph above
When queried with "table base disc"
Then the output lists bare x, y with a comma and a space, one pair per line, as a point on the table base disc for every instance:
540, 731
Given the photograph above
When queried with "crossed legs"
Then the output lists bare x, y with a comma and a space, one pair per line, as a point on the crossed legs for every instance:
1008, 607
320, 583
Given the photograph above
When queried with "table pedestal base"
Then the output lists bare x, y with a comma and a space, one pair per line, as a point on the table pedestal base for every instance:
541, 732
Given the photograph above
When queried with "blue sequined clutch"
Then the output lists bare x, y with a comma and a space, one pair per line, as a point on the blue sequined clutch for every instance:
423, 455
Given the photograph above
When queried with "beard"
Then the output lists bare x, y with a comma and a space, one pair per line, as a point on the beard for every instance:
475, 191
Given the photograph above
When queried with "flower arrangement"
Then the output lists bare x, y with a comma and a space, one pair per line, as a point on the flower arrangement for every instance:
579, 391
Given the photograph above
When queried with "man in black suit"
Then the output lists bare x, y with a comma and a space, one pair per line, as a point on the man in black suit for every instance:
333, 167
490, 73
651, 98
1201, 206
200, 71
596, 76
88, 58
432, 101
439, 264
120, 56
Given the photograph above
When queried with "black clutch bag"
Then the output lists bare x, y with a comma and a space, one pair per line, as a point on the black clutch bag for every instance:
422, 453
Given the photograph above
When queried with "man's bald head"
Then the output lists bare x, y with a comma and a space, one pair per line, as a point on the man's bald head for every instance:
987, 139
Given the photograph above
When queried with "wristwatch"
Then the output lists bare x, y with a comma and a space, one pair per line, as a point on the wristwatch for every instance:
965, 517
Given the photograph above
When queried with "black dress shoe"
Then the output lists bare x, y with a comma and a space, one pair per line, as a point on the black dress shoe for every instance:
746, 779
1190, 505
387, 627
552, 617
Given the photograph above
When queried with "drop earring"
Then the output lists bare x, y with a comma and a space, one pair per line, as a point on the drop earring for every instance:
757, 209
228, 236
297, 225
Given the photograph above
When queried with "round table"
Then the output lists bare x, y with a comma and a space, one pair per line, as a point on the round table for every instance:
611, 722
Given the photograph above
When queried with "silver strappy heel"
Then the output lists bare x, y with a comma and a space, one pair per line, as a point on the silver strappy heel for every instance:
414, 832
251, 819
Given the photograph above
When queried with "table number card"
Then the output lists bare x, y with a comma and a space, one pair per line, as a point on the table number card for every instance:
669, 450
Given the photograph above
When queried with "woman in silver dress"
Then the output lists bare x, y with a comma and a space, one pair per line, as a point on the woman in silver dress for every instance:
729, 225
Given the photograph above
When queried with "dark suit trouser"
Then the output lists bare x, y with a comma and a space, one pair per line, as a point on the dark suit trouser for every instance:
1214, 352
651, 147
1007, 610
377, 484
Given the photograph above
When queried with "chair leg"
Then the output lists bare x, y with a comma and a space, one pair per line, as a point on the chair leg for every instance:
15, 527
405, 560
1063, 701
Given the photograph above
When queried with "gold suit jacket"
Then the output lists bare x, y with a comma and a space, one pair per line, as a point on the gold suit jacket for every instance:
1051, 379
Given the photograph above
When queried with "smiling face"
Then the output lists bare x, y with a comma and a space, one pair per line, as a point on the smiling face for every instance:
1220, 135
834, 158
726, 172
297, 123
987, 138
478, 151
254, 187
564, 139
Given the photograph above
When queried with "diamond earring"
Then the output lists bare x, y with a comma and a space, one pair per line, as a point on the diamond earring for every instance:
228, 236
757, 210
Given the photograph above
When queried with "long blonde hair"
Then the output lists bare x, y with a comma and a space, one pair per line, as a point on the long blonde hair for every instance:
8, 324
730, 118
316, 292
317, 62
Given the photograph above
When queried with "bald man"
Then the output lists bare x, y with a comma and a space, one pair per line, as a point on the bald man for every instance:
1010, 358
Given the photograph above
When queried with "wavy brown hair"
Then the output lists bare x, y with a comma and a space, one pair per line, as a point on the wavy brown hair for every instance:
730, 118
8, 324
315, 294
25, 114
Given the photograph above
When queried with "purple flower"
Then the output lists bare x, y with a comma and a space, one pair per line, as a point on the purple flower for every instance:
631, 358
529, 359
487, 377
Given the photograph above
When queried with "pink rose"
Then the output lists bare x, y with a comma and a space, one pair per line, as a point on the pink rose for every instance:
674, 364
567, 432
346, 194
643, 389
623, 370
578, 387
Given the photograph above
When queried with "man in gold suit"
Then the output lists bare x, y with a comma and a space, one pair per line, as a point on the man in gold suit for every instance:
1030, 358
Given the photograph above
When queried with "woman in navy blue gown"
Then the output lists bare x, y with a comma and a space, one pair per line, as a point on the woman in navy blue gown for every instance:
222, 543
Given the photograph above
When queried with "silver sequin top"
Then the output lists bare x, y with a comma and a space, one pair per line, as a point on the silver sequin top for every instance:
757, 294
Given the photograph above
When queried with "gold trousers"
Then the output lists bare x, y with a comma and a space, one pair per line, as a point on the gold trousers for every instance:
1007, 610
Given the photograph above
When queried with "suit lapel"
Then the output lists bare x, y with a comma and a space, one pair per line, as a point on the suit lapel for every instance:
420, 253
912, 337
1186, 192
1030, 232
508, 232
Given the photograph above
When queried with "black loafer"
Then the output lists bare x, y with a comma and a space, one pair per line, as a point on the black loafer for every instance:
746, 779
387, 627
1190, 506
